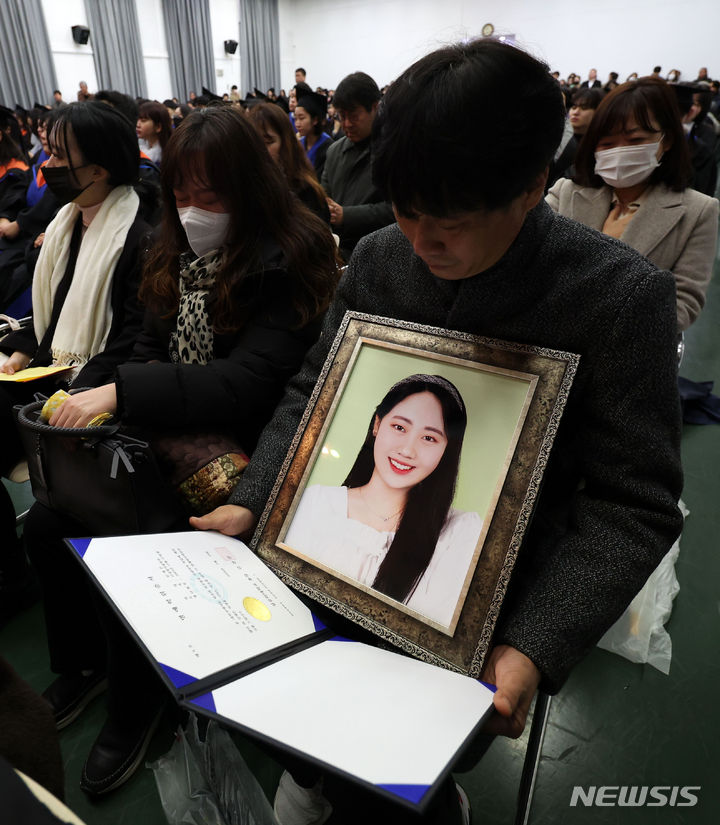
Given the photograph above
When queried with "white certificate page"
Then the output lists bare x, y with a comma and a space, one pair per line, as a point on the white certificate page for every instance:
199, 601
382, 717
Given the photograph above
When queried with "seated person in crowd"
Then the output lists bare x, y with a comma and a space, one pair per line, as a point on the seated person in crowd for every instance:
357, 206
14, 168
583, 104
90, 257
476, 249
154, 128
631, 182
700, 137
274, 127
592, 82
21, 239
148, 184
310, 115
612, 82
235, 291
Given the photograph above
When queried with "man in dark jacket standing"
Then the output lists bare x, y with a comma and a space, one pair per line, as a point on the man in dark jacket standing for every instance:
357, 206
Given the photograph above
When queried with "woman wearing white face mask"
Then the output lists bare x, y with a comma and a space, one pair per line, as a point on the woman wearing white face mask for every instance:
235, 290
237, 282
632, 170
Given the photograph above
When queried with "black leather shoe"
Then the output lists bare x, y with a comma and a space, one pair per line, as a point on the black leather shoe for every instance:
70, 695
117, 753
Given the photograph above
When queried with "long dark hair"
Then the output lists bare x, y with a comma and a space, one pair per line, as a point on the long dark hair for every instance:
160, 117
11, 142
643, 100
103, 135
261, 206
298, 169
428, 502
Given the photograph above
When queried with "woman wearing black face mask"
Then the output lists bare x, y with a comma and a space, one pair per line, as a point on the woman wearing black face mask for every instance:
85, 309
235, 289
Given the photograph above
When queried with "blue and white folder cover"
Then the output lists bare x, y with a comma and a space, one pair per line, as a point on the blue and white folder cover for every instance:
233, 642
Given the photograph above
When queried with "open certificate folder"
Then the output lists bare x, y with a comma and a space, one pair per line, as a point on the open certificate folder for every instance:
232, 641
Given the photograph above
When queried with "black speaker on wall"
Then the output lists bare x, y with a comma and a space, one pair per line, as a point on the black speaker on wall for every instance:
230, 46
81, 34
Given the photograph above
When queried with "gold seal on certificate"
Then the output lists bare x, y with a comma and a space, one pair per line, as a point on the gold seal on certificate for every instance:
257, 609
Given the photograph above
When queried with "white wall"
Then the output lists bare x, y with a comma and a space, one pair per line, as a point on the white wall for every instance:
332, 38
225, 25
154, 50
74, 63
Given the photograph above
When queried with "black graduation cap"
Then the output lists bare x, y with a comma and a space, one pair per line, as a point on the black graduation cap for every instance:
210, 95
6, 114
314, 104
249, 102
41, 106
302, 89
259, 95
20, 110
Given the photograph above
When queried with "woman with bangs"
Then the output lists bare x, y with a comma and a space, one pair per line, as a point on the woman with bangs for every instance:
90, 258
153, 129
235, 291
631, 182
285, 149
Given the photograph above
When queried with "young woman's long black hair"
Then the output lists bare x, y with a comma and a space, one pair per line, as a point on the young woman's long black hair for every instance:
428, 502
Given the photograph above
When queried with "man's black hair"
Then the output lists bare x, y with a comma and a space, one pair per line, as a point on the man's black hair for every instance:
587, 98
357, 89
122, 102
103, 135
449, 136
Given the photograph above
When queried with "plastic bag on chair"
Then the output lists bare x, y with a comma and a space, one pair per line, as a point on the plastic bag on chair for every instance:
208, 783
639, 634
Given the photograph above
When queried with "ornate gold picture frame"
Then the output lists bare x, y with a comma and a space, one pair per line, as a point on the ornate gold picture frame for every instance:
511, 397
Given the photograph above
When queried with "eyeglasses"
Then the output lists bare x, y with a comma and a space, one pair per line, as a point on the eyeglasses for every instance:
352, 116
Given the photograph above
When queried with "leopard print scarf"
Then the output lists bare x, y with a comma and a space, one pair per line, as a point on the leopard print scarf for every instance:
192, 342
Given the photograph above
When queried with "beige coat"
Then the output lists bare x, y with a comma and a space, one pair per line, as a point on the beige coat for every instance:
674, 230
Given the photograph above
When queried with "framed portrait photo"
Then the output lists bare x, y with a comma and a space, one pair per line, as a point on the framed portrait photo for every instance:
409, 485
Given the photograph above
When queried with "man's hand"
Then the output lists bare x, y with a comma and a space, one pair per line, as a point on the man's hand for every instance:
336, 212
82, 407
39, 240
517, 679
10, 230
16, 362
229, 519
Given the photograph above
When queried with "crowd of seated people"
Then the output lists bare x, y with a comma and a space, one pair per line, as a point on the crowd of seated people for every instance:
212, 233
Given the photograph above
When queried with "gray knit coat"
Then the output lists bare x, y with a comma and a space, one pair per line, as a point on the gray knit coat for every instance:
607, 512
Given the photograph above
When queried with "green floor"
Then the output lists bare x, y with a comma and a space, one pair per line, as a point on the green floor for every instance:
614, 723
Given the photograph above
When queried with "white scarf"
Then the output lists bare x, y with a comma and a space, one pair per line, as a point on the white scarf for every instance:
84, 323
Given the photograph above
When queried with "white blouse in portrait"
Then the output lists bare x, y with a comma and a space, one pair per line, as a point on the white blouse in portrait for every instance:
322, 531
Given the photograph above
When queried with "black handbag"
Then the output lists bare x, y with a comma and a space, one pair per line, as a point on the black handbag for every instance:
104, 478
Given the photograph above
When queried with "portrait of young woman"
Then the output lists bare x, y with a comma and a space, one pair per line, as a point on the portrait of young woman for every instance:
391, 526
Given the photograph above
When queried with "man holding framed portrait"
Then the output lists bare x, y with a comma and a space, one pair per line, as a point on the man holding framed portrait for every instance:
476, 251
